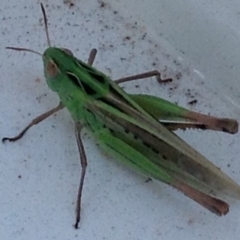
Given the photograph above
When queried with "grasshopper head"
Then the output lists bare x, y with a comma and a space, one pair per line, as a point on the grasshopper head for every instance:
57, 63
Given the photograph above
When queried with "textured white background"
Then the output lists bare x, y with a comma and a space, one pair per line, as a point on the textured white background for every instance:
195, 41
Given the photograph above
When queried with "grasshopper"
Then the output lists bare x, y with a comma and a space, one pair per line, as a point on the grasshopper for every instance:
137, 129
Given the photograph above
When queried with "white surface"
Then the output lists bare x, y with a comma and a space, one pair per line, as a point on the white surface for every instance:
196, 39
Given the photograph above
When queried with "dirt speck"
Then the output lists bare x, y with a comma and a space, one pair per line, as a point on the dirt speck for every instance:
70, 3
193, 102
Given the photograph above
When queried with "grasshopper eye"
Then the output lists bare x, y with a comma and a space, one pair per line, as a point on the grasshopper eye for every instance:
67, 51
52, 69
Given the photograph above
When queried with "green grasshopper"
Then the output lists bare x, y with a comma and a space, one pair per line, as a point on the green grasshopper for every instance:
137, 129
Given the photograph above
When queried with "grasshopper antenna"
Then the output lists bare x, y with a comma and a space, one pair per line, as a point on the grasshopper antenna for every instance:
47, 34
45, 24
24, 49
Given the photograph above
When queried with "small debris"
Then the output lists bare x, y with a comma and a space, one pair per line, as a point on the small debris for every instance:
70, 3
193, 102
